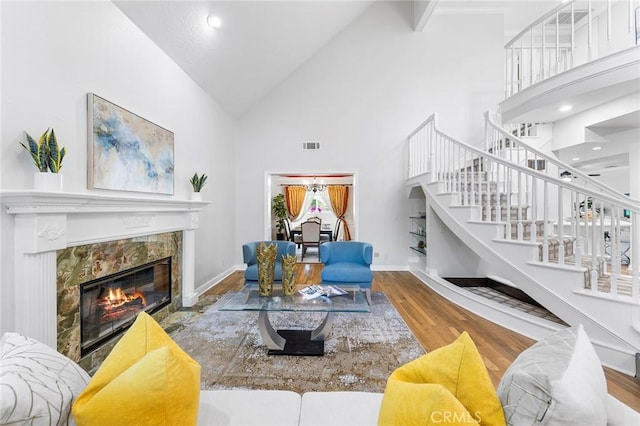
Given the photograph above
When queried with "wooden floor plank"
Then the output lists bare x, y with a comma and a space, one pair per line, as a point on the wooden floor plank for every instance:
436, 322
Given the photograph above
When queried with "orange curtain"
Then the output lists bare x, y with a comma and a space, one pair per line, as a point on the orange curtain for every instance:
294, 199
339, 197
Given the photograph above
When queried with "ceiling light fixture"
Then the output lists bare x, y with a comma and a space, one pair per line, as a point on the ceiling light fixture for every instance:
565, 108
214, 21
315, 186
596, 148
575, 159
566, 176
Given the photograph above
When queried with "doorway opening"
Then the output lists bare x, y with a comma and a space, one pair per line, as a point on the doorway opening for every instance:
316, 204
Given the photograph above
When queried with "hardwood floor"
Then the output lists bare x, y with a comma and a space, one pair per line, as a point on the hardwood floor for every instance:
437, 322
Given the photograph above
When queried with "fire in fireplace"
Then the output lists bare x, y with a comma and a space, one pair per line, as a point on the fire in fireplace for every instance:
109, 305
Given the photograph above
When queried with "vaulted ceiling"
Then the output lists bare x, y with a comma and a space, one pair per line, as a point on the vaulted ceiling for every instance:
260, 43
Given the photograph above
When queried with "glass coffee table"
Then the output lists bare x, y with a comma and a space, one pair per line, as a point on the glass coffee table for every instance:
296, 342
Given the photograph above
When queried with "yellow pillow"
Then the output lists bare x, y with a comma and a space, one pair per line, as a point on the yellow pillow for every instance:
147, 379
460, 369
407, 404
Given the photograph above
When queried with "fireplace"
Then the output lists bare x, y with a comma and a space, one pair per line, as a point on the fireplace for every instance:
109, 305
63, 240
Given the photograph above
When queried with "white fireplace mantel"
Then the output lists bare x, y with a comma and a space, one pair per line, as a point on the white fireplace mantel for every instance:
20, 202
49, 221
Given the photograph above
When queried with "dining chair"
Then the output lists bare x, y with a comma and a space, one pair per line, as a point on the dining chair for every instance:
287, 230
326, 234
336, 229
310, 236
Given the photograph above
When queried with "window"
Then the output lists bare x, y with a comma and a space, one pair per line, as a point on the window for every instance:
317, 205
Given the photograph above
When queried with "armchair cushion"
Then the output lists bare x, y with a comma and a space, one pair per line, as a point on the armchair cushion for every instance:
346, 272
250, 257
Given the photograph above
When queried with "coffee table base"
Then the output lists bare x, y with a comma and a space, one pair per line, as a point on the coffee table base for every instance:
294, 342
299, 343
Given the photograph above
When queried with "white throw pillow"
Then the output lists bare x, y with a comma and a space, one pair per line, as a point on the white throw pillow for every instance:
557, 381
37, 384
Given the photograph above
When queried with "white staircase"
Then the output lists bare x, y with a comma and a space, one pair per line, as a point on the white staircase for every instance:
536, 231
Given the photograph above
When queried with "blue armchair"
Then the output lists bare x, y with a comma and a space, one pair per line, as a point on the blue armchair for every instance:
348, 262
250, 257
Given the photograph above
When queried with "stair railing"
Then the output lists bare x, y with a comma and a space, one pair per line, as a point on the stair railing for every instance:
547, 209
572, 34
501, 142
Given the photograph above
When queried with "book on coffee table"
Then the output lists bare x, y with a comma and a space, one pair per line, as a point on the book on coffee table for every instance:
313, 291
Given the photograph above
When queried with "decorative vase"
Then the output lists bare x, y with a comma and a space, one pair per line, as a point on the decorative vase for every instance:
47, 182
266, 268
196, 196
289, 274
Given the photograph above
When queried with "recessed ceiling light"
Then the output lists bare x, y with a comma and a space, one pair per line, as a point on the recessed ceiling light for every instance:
565, 108
214, 21
575, 158
596, 148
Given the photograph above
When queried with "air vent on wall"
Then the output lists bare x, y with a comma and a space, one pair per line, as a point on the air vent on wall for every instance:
310, 145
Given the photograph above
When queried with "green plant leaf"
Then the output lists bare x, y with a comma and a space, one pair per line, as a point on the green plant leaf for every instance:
198, 181
43, 152
55, 155
37, 152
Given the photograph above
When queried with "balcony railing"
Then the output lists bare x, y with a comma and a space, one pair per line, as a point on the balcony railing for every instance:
574, 33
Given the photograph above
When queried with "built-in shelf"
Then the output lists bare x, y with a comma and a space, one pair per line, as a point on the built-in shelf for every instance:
417, 238
418, 232
419, 250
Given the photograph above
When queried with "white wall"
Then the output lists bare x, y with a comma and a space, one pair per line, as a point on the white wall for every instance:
360, 96
53, 53
448, 256
573, 129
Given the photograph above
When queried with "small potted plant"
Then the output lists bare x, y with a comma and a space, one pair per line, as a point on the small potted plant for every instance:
197, 182
280, 211
47, 156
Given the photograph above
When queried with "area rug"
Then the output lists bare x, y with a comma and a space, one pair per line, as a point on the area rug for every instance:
361, 351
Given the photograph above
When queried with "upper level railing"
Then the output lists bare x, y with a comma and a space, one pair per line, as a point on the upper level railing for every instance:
574, 33
601, 224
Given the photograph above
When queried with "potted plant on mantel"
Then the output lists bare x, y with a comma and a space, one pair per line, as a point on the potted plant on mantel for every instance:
197, 182
47, 156
280, 211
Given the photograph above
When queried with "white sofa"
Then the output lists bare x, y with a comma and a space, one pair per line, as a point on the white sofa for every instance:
282, 408
38, 385
558, 381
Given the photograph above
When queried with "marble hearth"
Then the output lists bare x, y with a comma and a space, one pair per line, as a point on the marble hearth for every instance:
59, 239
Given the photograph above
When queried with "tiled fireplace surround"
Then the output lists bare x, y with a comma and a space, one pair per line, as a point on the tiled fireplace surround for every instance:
62, 240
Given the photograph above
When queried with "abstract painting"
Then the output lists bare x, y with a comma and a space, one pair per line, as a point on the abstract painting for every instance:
127, 152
